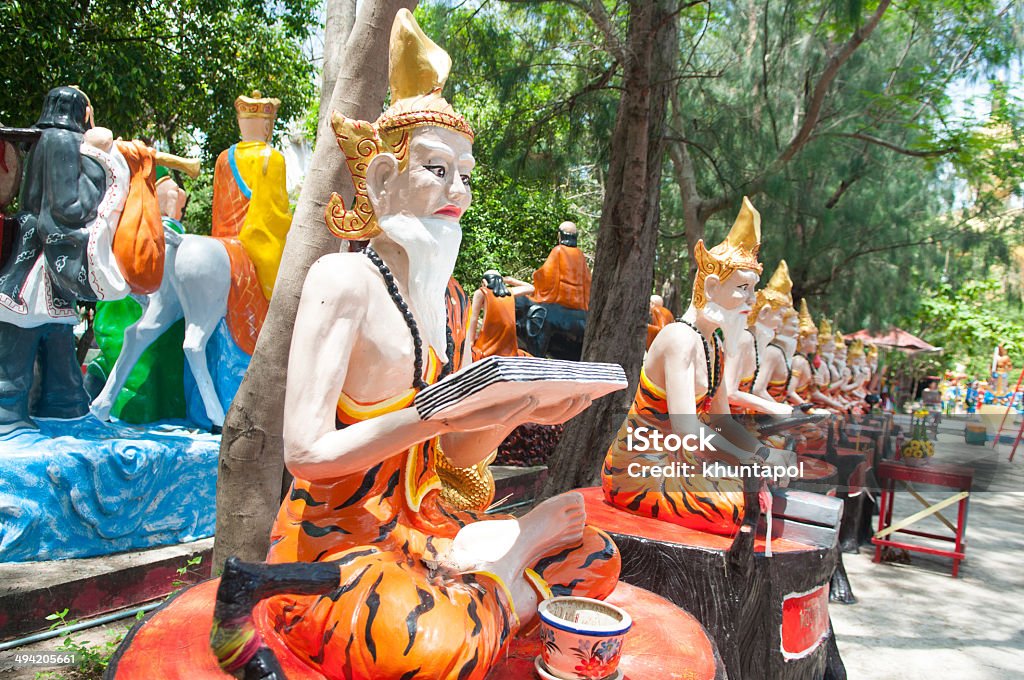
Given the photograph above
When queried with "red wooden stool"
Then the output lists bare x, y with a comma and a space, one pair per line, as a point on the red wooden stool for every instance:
945, 475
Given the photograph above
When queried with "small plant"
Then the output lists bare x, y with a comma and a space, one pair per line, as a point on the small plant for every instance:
91, 659
178, 583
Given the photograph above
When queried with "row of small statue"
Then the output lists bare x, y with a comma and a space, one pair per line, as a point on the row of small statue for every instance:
375, 569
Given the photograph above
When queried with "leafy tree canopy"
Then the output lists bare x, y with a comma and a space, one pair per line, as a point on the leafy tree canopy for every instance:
166, 71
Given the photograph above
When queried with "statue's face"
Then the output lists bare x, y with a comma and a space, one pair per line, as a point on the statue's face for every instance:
434, 185
809, 343
841, 353
858, 362
790, 325
827, 346
735, 293
171, 199
770, 317
255, 129
873, 363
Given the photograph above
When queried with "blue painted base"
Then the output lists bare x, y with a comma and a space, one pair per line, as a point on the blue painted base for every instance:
81, 488
227, 363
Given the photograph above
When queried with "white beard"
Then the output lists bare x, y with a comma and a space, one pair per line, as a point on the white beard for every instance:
787, 344
731, 323
431, 246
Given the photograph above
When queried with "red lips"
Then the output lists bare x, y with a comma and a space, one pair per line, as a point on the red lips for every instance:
450, 211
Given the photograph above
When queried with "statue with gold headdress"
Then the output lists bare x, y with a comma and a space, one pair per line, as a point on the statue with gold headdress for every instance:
775, 369
371, 573
682, 391
809, 372
745, 364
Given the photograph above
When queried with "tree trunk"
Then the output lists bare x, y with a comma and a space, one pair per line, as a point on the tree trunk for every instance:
251, 456
338, 23
627, 236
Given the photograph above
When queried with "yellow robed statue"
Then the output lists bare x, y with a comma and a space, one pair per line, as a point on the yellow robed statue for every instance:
251, 216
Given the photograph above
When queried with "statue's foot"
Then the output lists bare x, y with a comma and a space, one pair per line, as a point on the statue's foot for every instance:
555, 524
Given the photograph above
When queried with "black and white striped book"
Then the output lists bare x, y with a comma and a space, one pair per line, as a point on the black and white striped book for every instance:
497, 379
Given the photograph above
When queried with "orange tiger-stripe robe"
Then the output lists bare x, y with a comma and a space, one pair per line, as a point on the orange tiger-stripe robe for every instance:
395, 615
697, 502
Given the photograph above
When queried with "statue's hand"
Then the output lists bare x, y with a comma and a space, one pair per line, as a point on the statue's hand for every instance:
781, 458
558, 413
100, 137
489, 416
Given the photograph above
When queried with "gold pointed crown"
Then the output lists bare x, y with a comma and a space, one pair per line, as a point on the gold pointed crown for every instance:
807, 326
824, 328
417, 72
737, 251
872, 352
776, 294
837, 337
256, 106
856, 350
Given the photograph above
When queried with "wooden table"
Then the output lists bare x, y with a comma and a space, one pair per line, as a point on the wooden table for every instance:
954, 477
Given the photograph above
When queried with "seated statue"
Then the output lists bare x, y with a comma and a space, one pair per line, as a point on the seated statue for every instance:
810, 373
564, 278
660, 317
495, 334
681, 392
776, 371
392, 582
745, 364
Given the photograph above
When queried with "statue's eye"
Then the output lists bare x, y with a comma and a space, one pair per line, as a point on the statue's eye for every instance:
438, 170
466, 179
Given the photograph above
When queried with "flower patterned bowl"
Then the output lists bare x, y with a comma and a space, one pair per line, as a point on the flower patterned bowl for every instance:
582, 638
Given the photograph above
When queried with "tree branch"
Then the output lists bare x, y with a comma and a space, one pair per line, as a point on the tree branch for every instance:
916, 153
821, 88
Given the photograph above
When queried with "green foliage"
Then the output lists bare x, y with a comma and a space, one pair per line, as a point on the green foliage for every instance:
968, 322
91, 659
198, 216
160, 71
511, 226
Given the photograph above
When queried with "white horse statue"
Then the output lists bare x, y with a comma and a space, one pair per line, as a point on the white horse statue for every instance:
195, 285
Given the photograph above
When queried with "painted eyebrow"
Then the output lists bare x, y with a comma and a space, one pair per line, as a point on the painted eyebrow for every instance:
428, 146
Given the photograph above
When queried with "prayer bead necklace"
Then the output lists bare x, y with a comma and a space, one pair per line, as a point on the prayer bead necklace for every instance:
410, 321
786, 361
757, 360
713, 378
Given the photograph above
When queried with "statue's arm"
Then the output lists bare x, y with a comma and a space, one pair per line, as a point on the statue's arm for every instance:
770, 362
73, 196
677, 354
331, 310
800, 369
472, 330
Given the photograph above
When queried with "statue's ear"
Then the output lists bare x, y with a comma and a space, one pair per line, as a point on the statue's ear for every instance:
381, 174
712, 286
